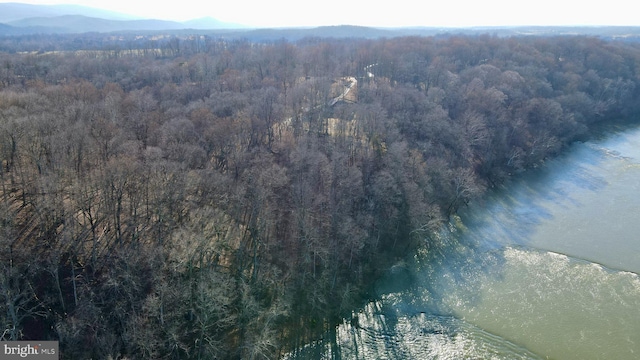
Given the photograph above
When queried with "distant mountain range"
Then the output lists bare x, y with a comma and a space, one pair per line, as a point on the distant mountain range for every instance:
25, 19
18, 18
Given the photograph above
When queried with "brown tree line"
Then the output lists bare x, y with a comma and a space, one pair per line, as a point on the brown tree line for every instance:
208, 201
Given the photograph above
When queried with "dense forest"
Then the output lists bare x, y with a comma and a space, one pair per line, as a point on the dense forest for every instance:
196, 198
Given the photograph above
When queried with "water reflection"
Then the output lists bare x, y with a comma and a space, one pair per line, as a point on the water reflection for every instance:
381, 334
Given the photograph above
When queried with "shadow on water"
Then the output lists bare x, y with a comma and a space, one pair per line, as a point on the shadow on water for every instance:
471, 245
511, 214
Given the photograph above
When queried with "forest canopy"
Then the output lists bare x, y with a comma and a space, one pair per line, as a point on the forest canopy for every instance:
200, 198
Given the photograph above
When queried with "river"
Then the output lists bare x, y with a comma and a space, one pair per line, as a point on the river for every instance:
546, 268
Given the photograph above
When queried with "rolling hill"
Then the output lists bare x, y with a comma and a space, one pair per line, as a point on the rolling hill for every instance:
18, 18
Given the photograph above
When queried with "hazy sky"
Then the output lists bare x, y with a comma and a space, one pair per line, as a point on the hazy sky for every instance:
449, 13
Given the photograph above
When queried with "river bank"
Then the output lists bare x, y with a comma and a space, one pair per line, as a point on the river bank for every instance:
545, 267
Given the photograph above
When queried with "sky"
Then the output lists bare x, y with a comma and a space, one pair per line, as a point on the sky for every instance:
389, 13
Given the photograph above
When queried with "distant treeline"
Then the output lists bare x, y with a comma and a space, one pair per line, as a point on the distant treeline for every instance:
82, 35
200, 199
